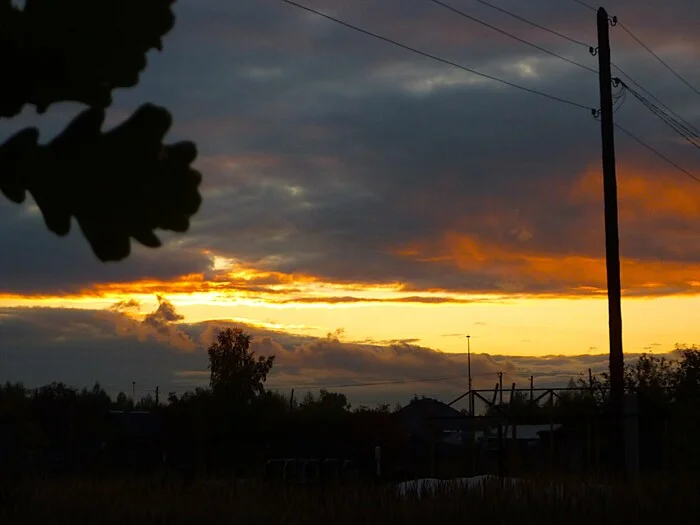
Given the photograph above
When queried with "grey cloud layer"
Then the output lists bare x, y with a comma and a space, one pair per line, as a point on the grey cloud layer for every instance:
80, 347
323, 149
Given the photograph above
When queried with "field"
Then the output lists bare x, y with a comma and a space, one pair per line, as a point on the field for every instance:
211, 502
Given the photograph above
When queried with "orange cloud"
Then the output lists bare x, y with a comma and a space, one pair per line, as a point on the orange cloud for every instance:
525, 269
643, 193
652, 203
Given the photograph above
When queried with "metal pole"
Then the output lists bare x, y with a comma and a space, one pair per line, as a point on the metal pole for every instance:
500, 388
551, 430
469, 373
612, 242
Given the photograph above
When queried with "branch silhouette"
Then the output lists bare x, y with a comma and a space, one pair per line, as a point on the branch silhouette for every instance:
120, 184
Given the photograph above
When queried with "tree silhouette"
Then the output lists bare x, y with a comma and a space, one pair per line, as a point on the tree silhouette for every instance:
237, 374
688, 382
120, 184
326, 403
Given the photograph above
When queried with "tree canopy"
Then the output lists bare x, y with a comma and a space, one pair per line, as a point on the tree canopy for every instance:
236, 373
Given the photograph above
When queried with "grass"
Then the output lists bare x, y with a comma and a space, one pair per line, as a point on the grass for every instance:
212, 502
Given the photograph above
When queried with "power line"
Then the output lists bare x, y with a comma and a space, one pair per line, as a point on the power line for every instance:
375, 383
619, 99
657, 153
534, 24
588, 46
506, 33
657, 100
679, 125
586, 5
312, 386
687, 134
657, 57
435, 57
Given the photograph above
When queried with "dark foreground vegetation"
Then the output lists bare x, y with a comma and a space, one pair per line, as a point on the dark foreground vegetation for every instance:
238, 452
87, 501
234, 427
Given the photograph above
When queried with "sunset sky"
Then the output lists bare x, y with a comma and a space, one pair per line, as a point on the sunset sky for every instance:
365, 208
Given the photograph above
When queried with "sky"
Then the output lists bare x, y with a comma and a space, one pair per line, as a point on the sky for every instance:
365, 208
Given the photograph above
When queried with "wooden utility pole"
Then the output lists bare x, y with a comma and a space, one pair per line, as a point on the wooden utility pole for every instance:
532, 388
157, 395
612, 241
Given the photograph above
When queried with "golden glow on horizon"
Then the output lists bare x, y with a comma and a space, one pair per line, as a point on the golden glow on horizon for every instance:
519, 326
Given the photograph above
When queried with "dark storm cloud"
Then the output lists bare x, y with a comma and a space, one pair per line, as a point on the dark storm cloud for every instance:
325, 151
35, 261
385, 158
80, 347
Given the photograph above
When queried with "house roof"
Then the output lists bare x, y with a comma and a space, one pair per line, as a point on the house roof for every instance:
423, 413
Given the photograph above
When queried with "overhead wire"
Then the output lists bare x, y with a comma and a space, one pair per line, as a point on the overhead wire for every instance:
590, 47
683, 124
366, 384
584, 4
657, 153
674, 120
534, 24
436, 58
657, 57
506, 33
656, 99
687, 133
375, 383
619, 99
680, 119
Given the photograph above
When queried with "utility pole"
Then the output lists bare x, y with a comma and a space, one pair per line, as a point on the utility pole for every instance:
612, 242
157, 392
500, 388
469, 373
133, 393
532, 388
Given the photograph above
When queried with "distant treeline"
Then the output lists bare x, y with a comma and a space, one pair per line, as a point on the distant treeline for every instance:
236, 425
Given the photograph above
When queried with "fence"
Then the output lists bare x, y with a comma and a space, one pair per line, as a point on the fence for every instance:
526, 431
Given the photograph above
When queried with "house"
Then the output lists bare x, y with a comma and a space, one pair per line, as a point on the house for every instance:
431, 420
433, 439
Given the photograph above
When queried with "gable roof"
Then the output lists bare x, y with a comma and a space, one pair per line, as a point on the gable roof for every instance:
430, 413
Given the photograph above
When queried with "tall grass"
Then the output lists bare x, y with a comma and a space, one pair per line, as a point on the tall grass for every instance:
211, 502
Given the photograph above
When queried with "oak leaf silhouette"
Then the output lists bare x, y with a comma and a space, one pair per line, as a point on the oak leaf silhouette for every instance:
117, 185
